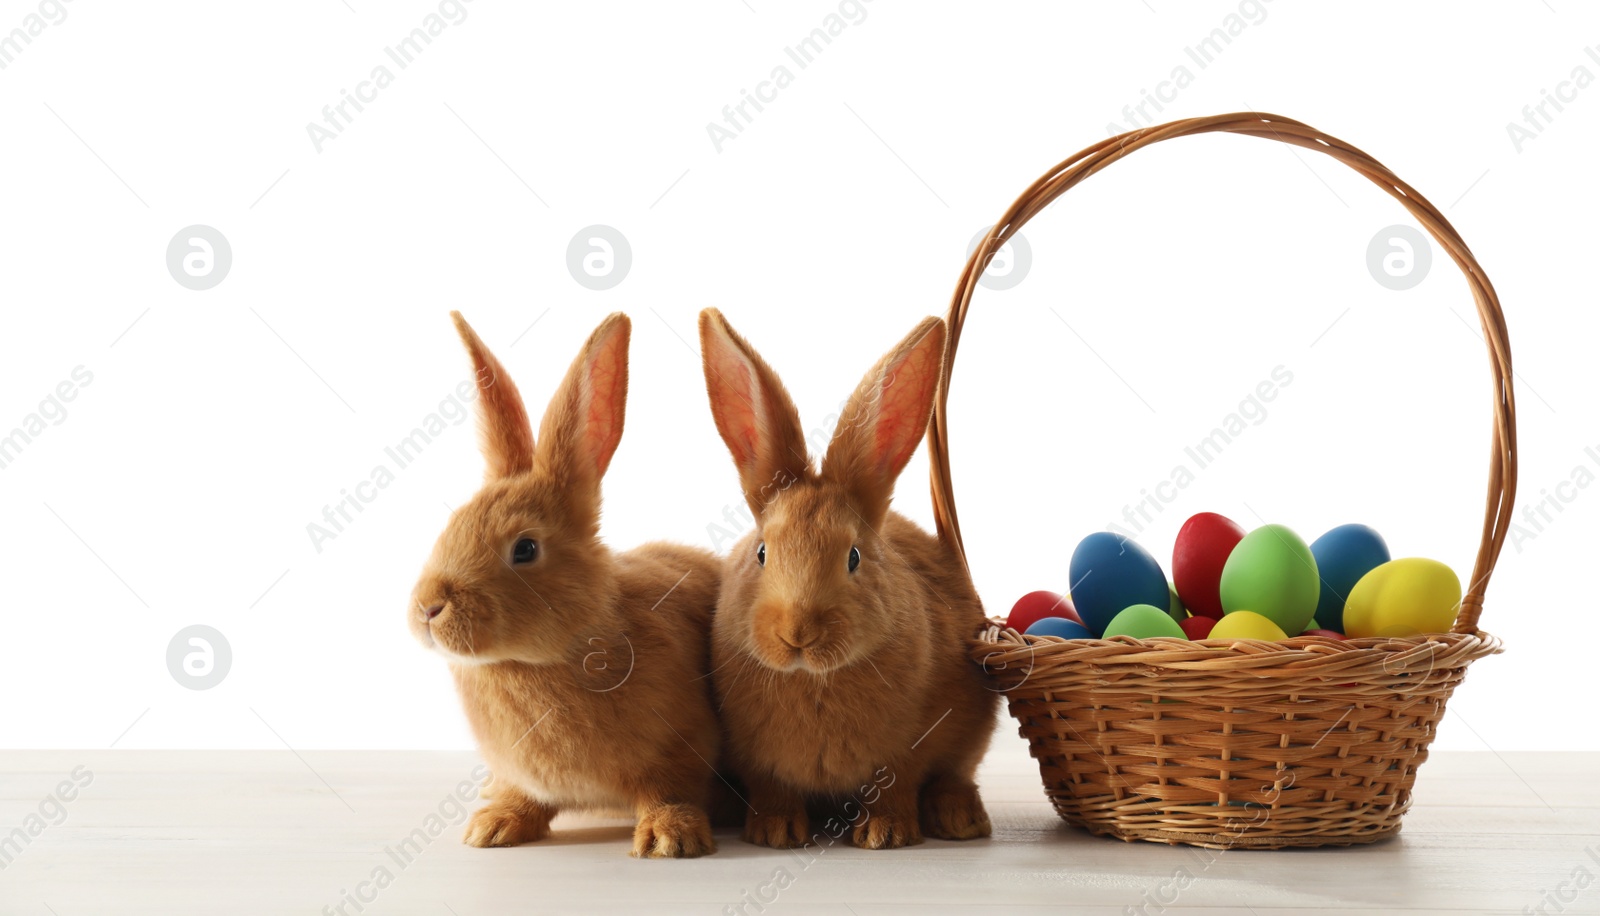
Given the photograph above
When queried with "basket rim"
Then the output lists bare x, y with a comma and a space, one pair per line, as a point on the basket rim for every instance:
1296, 656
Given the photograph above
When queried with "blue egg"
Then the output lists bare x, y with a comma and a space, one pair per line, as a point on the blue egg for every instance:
1110, 573
1343, 556
1059, 626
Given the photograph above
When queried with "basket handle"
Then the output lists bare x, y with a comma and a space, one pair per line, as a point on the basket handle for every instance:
1054, 183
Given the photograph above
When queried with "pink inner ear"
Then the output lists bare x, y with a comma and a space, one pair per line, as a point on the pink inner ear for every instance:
903, 403
733, 403
607, 384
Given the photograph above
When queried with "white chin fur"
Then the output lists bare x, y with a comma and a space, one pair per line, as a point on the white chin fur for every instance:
802, 664
457, 659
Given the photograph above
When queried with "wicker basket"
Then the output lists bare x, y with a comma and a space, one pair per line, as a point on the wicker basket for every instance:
1236, 743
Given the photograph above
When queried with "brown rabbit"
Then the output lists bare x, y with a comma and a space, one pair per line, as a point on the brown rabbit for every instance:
838, 646
583, 672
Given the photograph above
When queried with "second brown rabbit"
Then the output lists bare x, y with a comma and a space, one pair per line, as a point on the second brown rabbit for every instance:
839, 643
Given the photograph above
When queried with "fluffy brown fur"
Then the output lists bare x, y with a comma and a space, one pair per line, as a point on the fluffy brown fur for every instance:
849, 687
583, 672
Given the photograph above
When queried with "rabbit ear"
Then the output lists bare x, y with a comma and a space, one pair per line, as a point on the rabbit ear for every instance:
754, 414
885, 419
503, 431
583, 424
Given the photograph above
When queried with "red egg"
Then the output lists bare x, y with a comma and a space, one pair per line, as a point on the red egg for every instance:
1035, 606
1328, 633
1201, 550
1197, 627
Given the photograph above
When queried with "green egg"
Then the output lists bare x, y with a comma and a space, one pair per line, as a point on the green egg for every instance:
1175, 607
1272, 573
1143, 621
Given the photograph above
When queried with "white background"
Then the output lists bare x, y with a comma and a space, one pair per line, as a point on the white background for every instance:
179, 487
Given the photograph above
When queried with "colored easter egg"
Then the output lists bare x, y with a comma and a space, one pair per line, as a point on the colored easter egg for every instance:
1330, 634
1246, 625
1403, 597
1109, 573
1059, 626
1344, 554
1175, 608
1272, 573
1036, 606
1143, 621
1198, 555
1197, 627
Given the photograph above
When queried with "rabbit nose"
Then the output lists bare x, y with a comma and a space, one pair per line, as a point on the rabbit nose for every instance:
799, 637
433, 610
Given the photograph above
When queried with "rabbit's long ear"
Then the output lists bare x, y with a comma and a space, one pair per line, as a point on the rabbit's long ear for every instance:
583, 424
885, 419
504, 434
755, 415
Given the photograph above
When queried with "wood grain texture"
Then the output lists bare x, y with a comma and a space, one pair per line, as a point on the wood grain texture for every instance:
204, 832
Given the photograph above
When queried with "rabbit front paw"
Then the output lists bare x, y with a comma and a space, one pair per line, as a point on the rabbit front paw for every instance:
955, 814
887, 831
673, 832
498, 824
777, 831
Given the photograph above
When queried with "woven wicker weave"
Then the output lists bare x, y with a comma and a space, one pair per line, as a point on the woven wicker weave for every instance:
1236, 743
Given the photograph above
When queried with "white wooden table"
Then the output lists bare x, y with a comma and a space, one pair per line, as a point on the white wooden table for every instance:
236, 832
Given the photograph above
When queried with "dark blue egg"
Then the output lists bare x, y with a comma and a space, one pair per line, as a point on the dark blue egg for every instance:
1343, 556
1110, 573
1059, 626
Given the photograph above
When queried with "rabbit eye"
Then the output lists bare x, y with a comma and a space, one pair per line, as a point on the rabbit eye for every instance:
855, 558
761, 553
525, 551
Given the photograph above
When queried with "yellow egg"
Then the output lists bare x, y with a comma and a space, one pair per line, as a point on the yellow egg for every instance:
1246, 625
1402, 598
